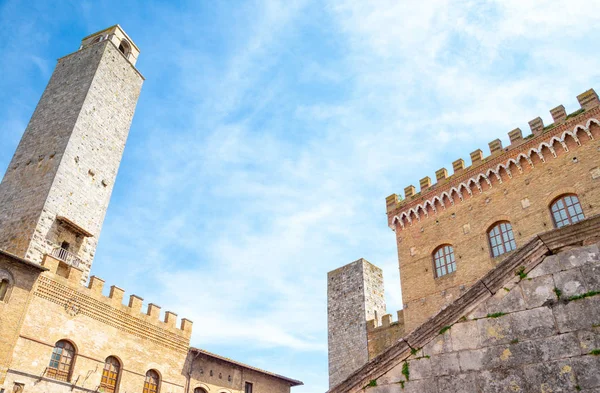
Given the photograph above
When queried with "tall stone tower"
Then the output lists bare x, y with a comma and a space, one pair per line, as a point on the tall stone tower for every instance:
355, 294
56, 190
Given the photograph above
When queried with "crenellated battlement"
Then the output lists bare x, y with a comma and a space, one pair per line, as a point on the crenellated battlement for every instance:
387, 320
523, 153
61, 285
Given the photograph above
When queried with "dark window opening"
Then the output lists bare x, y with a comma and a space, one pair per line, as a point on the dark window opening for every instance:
248, 388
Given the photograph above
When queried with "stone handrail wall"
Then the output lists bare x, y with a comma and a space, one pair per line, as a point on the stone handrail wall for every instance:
524, 260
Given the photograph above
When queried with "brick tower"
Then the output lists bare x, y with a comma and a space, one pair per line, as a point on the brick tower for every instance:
355, 294
56, 190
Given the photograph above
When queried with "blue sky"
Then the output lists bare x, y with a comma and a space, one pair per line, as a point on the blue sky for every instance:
268, 134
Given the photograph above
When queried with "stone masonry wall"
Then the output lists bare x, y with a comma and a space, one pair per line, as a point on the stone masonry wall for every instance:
67, 161
355, 294
540, 334
521, 197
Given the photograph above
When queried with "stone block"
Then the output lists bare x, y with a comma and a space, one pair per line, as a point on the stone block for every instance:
538, 291
554, 376
473, 360
578, 256
557, 347
532, 324
495, 331
465, 335
423, 386
588, 340
587, 369
503, 380
506, 302
577, 314
570, 282
591, 276
445, 364
420, 368
462, 383
548, 266
442, 343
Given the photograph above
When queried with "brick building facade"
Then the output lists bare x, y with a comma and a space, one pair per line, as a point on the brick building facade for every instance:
57, 335
455, 231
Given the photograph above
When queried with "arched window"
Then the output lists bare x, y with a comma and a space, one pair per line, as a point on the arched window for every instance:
200, 390
61, 361
501, 238
125, 48
110, 374
4, 284
443, 260
152, 382
566, 210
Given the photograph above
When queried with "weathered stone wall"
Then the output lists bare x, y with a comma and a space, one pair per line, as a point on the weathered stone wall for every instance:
521, 197
547, 290
355, 294
540, 334
67, 160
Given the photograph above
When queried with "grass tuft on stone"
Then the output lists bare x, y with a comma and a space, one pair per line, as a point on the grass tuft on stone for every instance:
496, 315
521, 273
558, 292
584, 295
445, 329
595, 352
406, 371
372, 383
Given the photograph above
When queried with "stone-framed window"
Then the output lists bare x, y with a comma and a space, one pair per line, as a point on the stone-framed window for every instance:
152, 382
566, 210
110, 374
200, 390
248, 387
501, 238
61, 361
443, 260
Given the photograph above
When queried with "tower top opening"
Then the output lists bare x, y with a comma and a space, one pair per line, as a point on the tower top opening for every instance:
118, 37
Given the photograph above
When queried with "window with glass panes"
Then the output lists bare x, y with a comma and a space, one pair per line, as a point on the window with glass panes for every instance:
443, 259
566, 210
502, 239
151, 382
110, 374
61, 361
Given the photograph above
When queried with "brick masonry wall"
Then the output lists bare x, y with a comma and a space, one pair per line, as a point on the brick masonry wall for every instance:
14, 306
355, 294
382, 337
68, 158
540, 334
523, 200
